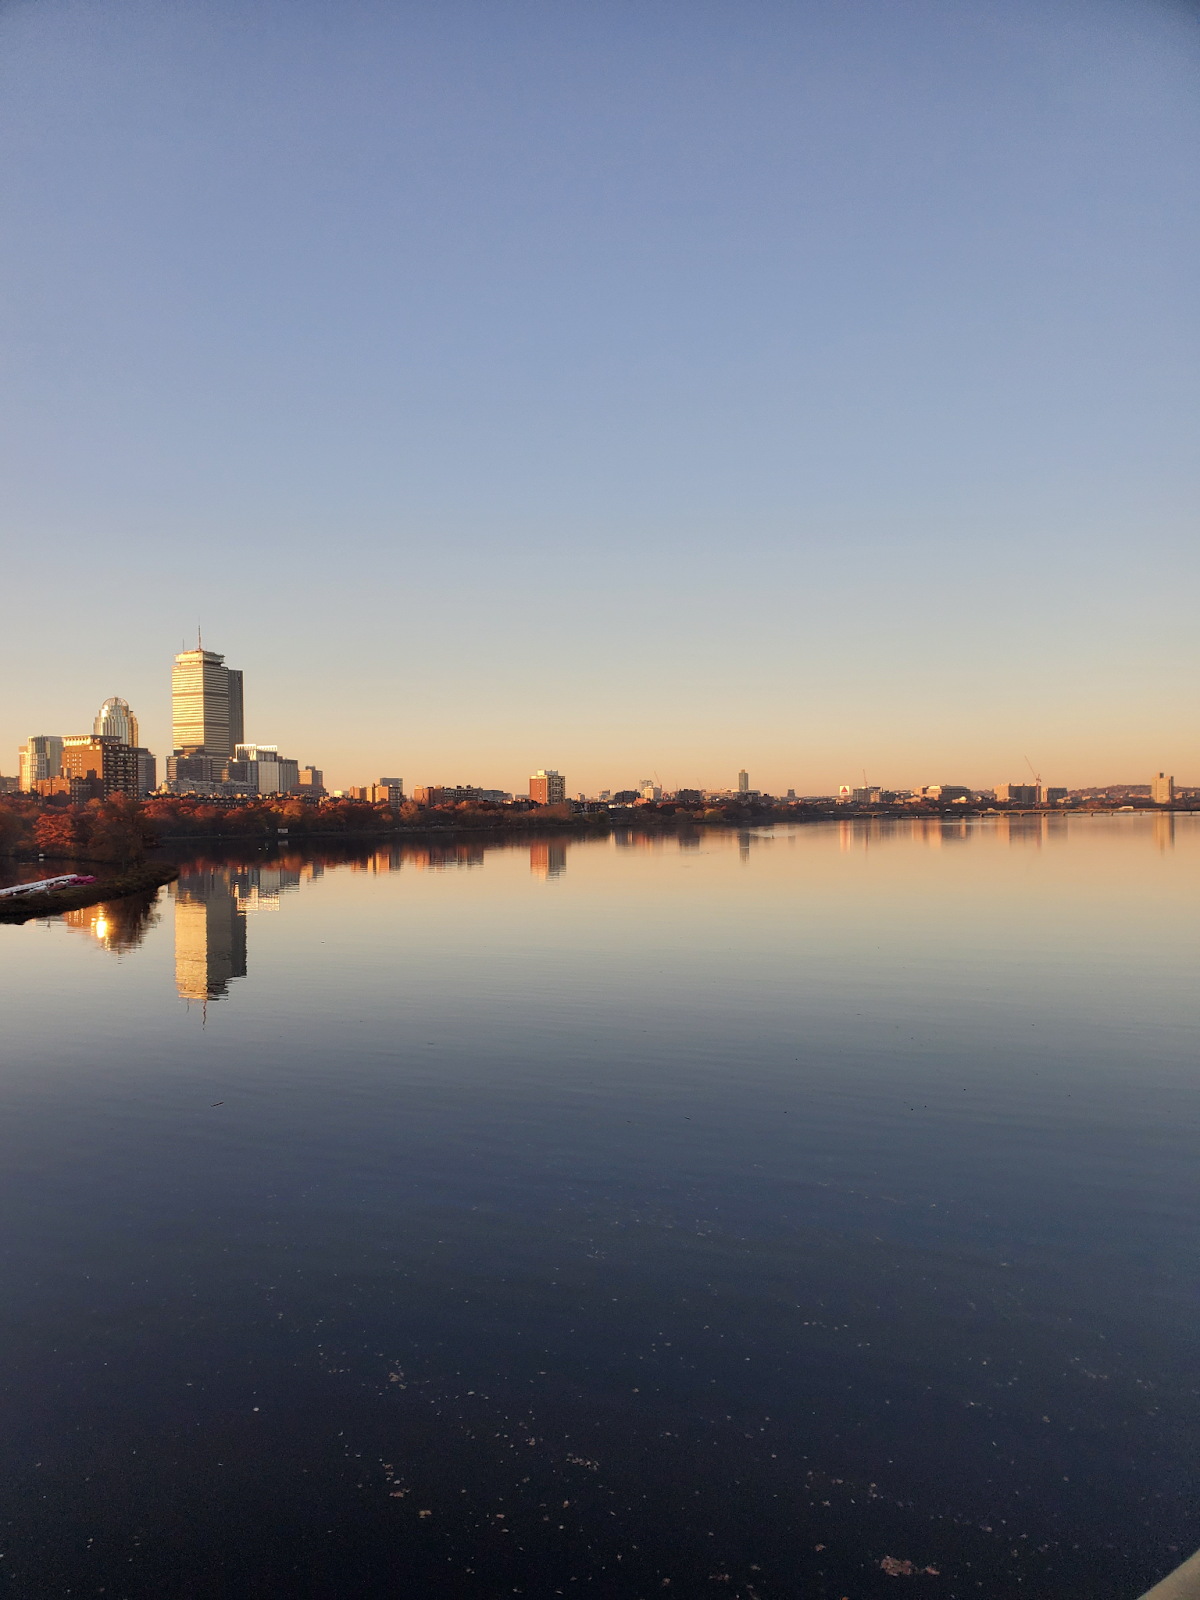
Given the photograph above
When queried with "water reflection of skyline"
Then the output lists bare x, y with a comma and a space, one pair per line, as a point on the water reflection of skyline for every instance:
211, 908
212, 903
213, 900
210, 934
117, 925
548, 858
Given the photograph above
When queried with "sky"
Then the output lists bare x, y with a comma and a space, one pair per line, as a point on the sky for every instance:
630, 389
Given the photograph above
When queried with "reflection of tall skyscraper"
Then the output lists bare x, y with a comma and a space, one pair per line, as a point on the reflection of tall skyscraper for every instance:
547, 859
207, 710
210, 935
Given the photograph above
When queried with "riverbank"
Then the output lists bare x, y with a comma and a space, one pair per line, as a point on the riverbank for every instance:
53, 902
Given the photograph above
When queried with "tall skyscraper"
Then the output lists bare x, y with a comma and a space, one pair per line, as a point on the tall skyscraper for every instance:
207, 707
743, 782
1162, 789
115, 720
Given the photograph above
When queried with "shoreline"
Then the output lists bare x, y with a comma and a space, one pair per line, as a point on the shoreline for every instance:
166, 848
596, 825
53, 902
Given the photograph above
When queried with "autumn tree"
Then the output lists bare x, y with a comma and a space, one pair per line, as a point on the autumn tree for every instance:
62, 831
115, 830
14, 826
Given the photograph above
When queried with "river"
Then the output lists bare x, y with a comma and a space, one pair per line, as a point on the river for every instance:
800, 1211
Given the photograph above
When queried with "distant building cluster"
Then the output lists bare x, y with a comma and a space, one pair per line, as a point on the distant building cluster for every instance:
1161, 791
89, 766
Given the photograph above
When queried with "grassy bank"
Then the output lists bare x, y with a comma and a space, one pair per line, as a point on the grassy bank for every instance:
23, 908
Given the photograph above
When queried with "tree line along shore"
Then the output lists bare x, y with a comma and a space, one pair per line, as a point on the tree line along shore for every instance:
119, 831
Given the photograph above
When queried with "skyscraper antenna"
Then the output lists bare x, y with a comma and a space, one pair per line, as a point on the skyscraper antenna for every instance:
199, 641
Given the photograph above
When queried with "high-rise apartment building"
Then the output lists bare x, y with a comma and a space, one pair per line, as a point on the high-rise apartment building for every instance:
1162, 789
207, 705
743, 782
115, 765
547, 787
41, 757
115, 720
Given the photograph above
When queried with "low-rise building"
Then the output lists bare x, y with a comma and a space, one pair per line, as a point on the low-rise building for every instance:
78, 790
184, 769
267, 770
1018, 794
947, 793
457, 794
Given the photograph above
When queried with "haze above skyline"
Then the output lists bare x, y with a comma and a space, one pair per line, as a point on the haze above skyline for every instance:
624, 390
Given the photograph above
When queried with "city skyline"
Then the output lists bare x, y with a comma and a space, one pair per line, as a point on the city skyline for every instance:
207, 704
634, 392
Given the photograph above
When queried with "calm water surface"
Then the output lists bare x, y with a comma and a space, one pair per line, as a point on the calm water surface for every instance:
742, 1214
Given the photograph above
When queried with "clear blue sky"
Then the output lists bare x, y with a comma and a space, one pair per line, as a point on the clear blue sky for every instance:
625, 388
